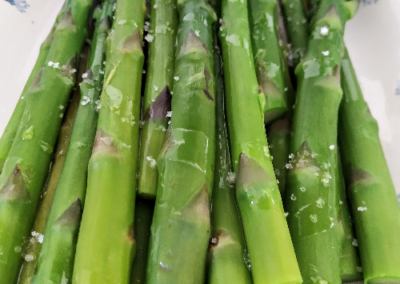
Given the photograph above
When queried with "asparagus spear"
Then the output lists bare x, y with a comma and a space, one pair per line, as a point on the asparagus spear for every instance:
26, 167
157, 98
278, 132
349, 262
312, 192
10, 131
187, 160
297, 29
267, 236
56, 257
268, 57
226, 261
371, 192
34, 245
143, 216
106, 244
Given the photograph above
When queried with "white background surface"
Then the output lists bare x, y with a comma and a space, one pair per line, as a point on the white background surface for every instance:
372, 38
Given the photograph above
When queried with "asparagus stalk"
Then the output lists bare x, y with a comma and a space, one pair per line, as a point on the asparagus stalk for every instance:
268, 58
143, 217
349, 262
371, 192
267, 236
10, 131
34, 245
312, 191
297, 29
57, 255
157, 97
187, 160
106, 244
278, 132
226, 261
26, 168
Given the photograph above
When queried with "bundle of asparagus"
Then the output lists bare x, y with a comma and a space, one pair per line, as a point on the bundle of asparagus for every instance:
218, 211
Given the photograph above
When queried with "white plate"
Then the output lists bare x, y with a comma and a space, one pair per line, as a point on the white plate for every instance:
372, 38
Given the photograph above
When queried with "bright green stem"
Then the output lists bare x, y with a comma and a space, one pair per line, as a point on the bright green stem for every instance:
312, 198
186, 162
57, 256
143, 217
227, 251
106, 244
26, 168
350, 262
297, 29
268, 59
370, 188
11, 129
157, 97
34, 246
279, 140
267, 236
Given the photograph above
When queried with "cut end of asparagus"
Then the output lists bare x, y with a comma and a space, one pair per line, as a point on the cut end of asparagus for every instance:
133, 42
15, 188
71, 216
250, 172
161, 105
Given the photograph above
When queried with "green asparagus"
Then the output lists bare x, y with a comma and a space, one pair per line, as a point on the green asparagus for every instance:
267, 236
226, 261
106, 244
186, 162
57, 255
11, 129
143, 217
370, 189
297, 29
312, 191
26, 168
349, 262
278, 132
157, 97
34, 245
268, 57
